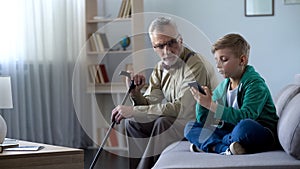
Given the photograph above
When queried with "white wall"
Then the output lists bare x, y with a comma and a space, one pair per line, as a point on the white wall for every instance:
274, 40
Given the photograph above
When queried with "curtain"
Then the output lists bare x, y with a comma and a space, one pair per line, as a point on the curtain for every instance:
40, 42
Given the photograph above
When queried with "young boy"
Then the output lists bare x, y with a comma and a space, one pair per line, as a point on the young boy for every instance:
239, 116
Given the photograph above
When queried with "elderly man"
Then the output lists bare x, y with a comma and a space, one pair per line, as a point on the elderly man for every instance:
158, 116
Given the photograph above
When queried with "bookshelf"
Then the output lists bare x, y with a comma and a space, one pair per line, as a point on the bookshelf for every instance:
121, 23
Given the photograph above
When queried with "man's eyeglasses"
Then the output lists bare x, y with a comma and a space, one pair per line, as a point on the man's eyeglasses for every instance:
171, 43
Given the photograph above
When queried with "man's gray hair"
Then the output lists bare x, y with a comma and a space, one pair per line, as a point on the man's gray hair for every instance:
157, 25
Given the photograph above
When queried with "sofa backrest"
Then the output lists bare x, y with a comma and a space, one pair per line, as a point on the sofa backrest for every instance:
288, 109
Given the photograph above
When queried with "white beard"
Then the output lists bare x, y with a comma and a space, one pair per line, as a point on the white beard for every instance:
170, 59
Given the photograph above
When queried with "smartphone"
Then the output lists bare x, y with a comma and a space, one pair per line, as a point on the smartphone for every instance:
196, 85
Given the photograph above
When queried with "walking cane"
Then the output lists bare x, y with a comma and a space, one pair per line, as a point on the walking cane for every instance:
132, 86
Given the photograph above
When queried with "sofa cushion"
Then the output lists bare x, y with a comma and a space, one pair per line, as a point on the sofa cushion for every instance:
289, 127
284, 97
177, 155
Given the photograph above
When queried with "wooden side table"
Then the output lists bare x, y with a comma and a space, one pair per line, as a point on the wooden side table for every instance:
49, 157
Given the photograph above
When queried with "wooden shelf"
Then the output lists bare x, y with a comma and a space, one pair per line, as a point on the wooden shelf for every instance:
111, 88
115, 32
110, 52
92, 21
107, 88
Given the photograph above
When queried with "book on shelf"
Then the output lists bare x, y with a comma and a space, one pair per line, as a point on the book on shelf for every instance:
98, 74
104, 73
121, 10
91, 43
99, 42
93, 74
125, 9
128, 12
94, 43
104, 41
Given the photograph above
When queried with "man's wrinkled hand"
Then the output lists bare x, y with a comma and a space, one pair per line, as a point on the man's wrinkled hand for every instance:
121, 112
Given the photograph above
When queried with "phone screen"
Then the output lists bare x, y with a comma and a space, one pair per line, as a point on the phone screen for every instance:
197, 86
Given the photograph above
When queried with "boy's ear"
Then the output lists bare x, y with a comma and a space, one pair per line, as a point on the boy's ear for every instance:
244, 60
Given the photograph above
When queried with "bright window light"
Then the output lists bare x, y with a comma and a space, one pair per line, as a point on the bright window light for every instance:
11, 29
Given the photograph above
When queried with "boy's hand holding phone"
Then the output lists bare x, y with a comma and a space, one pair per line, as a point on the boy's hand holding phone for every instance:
206, 101
196, 85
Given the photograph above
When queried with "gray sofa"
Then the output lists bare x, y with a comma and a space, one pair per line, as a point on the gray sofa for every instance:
177, 155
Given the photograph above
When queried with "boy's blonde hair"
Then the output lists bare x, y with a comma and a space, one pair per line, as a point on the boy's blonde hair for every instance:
235, 42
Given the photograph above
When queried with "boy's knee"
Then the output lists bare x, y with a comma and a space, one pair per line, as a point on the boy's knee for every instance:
244, 129
244, 125
247, 122
189, 125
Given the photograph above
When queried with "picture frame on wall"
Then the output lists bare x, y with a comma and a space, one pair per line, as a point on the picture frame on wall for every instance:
287, 2
259, 8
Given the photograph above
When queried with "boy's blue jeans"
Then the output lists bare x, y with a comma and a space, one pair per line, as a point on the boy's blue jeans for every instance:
250, 134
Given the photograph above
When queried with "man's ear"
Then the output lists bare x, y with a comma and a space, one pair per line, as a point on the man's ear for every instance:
180, 40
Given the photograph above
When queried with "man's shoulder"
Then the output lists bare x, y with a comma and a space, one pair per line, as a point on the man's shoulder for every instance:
195, 58
198, 60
